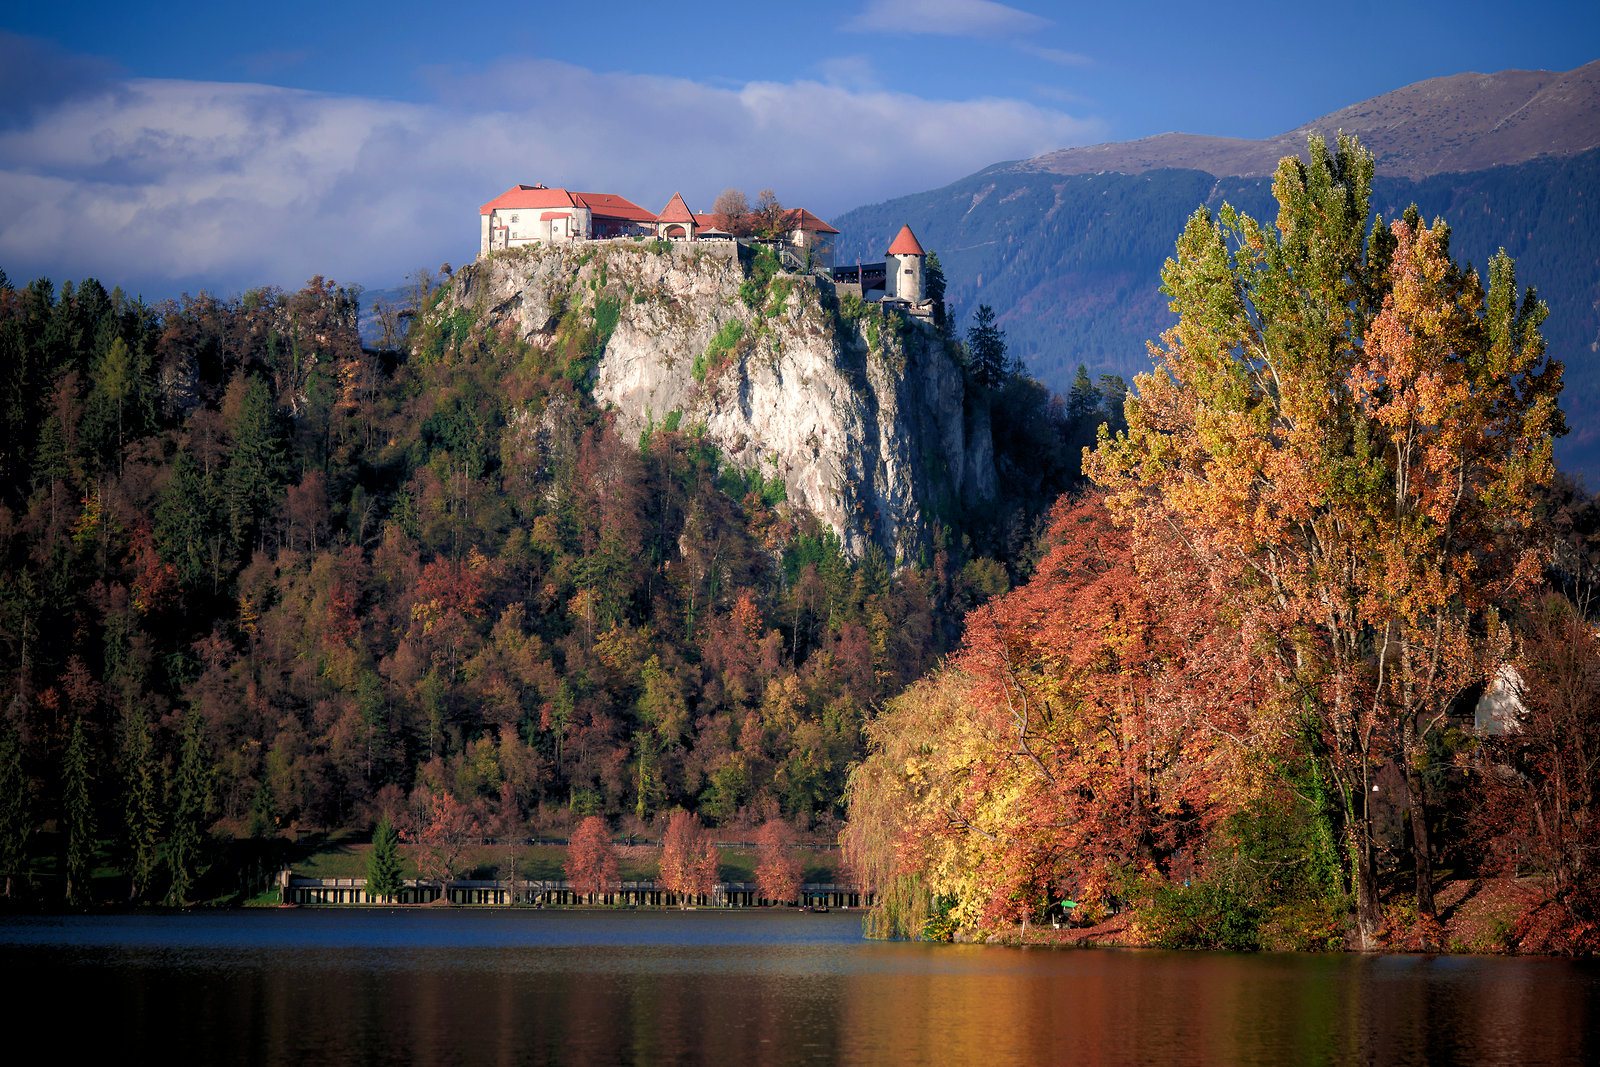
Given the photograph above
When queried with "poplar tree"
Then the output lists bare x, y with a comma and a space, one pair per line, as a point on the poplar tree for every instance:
383, 862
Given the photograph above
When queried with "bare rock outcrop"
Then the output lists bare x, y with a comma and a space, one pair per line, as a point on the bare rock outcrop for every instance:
859, 411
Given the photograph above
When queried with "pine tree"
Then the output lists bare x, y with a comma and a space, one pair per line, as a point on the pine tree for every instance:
78, 810
16, 806
141, 800
189, 810
986, 349
383, 862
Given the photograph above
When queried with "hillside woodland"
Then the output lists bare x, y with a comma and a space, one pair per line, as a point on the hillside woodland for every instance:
258, 582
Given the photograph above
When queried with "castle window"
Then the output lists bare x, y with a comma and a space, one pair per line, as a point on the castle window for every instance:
513, 218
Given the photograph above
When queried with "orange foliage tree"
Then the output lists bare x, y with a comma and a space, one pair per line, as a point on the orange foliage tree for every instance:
591, 863
778, 868
688, 857
440, 838
1085, 728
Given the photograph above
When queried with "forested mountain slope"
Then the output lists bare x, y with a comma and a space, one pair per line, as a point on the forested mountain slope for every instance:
254, 578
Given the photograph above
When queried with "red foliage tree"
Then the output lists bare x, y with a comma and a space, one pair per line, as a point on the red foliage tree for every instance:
591, 863
441, 839
778, 867
688, 857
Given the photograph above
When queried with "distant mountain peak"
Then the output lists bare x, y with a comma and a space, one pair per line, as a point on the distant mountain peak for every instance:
1463, 122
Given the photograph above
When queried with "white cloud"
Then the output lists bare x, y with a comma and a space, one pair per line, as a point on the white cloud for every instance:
156, 184
1058, 56
849, 72
951, 18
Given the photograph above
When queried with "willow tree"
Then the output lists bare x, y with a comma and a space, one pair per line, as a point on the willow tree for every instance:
1349, 430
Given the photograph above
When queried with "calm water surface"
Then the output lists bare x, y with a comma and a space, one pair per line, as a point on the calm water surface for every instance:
459, 986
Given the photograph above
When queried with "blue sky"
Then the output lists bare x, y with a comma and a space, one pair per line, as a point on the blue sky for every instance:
187, 146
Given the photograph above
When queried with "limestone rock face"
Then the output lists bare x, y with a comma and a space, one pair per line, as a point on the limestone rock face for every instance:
860, 413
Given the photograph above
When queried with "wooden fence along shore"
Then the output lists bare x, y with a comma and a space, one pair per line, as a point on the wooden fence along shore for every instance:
554, 891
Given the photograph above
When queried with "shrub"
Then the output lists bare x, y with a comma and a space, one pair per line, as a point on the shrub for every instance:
727, 337
1206, 915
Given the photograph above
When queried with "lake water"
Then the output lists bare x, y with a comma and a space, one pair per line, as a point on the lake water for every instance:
503, 987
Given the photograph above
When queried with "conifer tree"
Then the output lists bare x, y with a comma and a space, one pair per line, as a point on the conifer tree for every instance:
986, 349
189, 811
16, 806
383, 862
78, 810
141, 804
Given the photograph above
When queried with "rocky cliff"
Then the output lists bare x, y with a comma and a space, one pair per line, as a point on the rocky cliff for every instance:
860, 413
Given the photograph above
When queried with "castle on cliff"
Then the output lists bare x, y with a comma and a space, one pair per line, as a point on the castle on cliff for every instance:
537, 214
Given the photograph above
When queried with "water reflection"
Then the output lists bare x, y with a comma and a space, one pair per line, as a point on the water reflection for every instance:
378, 987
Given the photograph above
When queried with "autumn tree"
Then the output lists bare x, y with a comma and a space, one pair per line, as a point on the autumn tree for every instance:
772, 219
383, 862
732, 212
444, 831
1348, 431
591, 863
1077, 735
778, 865
688, 857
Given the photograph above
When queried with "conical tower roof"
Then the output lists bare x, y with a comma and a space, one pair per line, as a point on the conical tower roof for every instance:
676, 210
906, 244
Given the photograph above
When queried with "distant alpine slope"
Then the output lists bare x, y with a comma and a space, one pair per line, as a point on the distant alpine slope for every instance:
1067, 247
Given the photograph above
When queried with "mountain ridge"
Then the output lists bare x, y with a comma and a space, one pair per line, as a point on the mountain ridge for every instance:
1457, 123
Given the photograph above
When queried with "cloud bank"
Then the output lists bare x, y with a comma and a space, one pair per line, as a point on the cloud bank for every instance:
161, 185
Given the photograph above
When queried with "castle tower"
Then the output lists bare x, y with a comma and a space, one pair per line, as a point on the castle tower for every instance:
676, 221
903, 267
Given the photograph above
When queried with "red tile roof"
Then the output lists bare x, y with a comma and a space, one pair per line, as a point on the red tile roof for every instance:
528, 196
801, 219
612, 206
905, 244
676, 211
602, 205
709, 222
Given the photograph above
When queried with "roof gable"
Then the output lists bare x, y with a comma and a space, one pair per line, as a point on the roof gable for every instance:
676, 210
801, 219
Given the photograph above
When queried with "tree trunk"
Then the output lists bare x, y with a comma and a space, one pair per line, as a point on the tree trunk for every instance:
1419, 838
1358, 834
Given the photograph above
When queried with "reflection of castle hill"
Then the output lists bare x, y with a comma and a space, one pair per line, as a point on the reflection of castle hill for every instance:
555, 891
